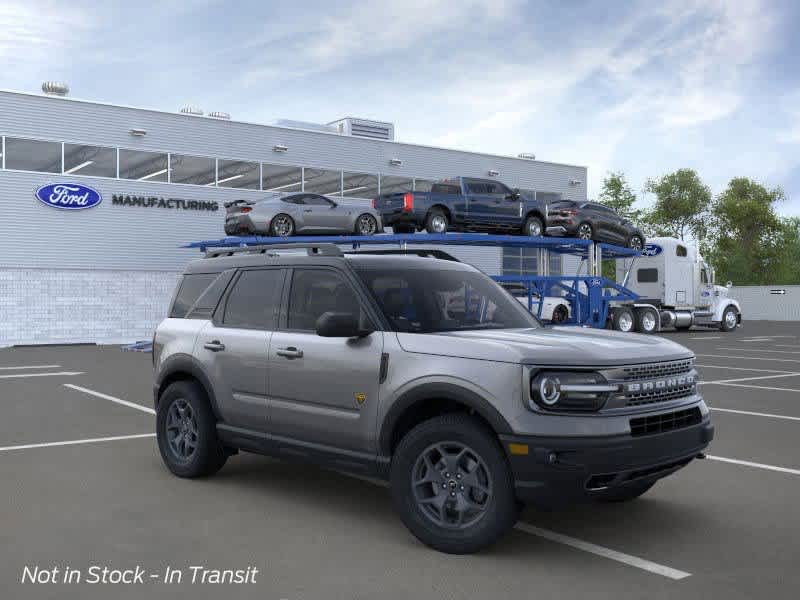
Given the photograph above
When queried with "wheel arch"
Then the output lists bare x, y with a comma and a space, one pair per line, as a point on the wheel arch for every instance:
432, 399
183, 368
535, 212
443, 208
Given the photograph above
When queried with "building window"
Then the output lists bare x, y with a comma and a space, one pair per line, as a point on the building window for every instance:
280, 178
555, 264
396, 185
238, 174
95, 161
520, 261
323, 181
144, 166
423, 185
360, 185
33, 155
194, 170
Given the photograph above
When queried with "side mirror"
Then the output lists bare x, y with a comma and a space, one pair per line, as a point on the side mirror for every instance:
514, 195
333, 204
341, 325
729, 285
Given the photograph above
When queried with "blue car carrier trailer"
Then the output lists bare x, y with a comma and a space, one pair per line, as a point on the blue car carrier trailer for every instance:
595, 301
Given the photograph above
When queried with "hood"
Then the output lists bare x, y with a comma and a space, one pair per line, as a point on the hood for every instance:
566, 346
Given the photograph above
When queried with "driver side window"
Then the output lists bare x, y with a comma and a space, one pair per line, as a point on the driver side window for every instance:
315, 292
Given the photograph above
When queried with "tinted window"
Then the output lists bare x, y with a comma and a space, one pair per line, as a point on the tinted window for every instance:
33, 155
316, 200
431, 301
476, 188
90, 160
280, 178
423, 185
647, 275
191, 287
497, 188
680, 251
197, 170
323, 181
317, 291
254, 300
204, 307
144, 166
360, 185
294, 199
703, 276
445, 188
238, 174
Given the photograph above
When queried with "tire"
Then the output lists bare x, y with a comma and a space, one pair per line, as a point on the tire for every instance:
366, 224
647, 320
492, 509
533, 227
624, 493
585, 231
437, 221
188, 398
636, 242
282, 225
560, 314
403, 229
730, 320
623, 319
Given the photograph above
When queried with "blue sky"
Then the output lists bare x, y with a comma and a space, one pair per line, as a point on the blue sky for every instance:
641, 87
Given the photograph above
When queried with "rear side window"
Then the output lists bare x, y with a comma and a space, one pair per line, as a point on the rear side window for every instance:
254, 300
208, 300
647, 275
680, 251
445, 188
191, 287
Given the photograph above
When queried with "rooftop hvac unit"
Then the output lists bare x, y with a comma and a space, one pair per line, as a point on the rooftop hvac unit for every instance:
376, 130
55, 88
192, 110
217, 114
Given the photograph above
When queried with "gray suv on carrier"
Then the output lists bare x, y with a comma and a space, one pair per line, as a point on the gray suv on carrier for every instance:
420, 370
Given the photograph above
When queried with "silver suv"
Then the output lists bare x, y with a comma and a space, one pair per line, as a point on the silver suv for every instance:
420, 370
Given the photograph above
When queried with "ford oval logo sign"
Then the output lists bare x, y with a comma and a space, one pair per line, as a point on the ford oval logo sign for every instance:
68, 196
652, 250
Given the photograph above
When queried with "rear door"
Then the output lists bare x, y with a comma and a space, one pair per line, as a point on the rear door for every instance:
478, 202
233, 346
323, 390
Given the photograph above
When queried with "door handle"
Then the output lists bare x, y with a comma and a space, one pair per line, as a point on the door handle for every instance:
307, 210
290, 352
215, 346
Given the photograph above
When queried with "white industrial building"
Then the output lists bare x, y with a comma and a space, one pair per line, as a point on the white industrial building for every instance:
106, 274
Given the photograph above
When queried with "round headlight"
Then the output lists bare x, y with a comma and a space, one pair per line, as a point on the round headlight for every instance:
549, 390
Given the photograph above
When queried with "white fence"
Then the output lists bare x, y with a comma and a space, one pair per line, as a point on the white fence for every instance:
768, 302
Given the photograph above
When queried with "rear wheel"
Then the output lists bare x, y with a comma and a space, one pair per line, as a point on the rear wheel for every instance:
622, 319
452, 486
624, 493
646, 320
186, 431
437, 221
282, 225
636, 242
730, 319
366, 224
560, 314
585, 231
533, 227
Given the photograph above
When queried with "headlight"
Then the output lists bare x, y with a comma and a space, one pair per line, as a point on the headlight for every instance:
570, 390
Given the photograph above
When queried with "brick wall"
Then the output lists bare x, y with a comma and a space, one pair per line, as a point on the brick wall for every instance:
48, 306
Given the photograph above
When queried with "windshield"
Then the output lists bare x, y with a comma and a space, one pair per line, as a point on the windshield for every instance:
434, 301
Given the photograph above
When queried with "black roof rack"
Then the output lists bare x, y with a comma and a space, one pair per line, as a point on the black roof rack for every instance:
318, 249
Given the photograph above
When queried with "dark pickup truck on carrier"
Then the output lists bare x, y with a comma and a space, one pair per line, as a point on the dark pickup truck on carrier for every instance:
464, 204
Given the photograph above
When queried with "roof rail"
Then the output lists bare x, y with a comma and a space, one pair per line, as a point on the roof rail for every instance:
423, 252
321, 249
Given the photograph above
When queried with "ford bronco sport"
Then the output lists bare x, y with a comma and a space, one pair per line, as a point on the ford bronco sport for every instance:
422, 371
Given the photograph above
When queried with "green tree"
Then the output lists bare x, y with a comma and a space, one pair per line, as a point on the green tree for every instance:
618, 195
749, 240
681, 207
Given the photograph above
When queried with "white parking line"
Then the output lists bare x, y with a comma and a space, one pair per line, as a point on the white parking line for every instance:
146, 409
721, 381
740, 368
786, 345
30, 367
754, 414
747, 463
760, 387
706, 337
627, 559
77, 442
60, 373
763, 350
791, 360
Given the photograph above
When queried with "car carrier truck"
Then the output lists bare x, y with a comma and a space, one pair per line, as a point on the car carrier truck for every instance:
676, 289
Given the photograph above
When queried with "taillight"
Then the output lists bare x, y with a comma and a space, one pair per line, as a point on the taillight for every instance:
246, 209
569, 212
374, 203
408, 202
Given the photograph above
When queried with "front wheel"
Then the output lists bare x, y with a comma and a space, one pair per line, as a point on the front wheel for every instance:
452, 486
282, 226
533, 227
585, 231
366, 224
730, 319
560, 314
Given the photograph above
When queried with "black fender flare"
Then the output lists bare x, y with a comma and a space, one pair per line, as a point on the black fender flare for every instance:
438, 391
184, 363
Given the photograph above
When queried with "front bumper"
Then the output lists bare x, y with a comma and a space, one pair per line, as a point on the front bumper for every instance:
566, 469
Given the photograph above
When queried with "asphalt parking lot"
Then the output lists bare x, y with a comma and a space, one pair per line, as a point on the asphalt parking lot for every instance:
84, 485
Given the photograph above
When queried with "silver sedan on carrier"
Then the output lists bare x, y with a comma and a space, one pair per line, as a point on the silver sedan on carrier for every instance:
283, 215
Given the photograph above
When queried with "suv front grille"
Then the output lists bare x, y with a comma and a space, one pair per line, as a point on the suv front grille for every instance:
659, 396
674, 367
653, 424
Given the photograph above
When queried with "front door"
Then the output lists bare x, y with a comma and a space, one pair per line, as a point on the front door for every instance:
503, 207
323, 390
321, 214
233, 347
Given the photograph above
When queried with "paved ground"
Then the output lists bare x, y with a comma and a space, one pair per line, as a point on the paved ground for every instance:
726, 527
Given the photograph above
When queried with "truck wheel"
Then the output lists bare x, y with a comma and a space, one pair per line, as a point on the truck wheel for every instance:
646, 320
623, 319
560, 314
635, 242
452, 486
624, 493
730, 319
436, 222
585, 231
186, 431
533, 227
